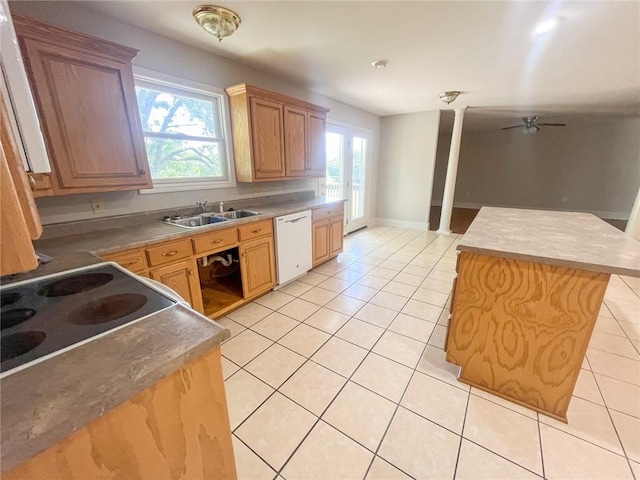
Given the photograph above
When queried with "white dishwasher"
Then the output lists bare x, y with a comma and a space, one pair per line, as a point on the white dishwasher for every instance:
293, 245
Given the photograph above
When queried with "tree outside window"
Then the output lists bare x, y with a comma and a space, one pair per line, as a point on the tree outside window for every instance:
182, 131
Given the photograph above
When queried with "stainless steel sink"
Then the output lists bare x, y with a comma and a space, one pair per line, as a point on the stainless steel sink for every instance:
197, 221
205, 219
235, 214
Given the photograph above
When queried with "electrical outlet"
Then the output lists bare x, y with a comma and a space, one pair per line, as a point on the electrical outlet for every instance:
97, 205
256, 189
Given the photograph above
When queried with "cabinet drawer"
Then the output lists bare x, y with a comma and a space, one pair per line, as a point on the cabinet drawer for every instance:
254, 230
214, 240
326, 212
132, 260
168, 252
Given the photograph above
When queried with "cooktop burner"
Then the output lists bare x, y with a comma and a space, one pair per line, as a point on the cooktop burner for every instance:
45, 315
16, 316
75, 284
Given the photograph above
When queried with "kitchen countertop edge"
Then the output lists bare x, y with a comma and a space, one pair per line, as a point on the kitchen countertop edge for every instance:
575, 240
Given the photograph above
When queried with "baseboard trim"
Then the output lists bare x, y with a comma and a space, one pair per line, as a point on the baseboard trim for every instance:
390, 222
600, 214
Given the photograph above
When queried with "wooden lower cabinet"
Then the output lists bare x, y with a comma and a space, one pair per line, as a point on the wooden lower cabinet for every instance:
327, 235
336, 235
320, 239
258, 266
177, 429
183, 278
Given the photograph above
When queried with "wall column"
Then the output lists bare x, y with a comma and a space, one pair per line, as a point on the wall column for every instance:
633, 225
452, 172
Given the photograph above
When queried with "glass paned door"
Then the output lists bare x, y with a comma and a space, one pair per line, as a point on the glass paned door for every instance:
335, 165
348, 152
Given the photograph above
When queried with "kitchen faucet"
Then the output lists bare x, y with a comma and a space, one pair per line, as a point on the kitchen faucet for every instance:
201, 205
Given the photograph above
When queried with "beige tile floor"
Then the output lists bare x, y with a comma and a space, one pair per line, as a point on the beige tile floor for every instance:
341, 375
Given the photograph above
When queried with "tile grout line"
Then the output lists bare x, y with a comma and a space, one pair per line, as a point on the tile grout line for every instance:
540, 443
464, 422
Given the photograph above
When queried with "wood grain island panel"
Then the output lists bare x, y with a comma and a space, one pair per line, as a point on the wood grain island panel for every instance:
177, 429
529, 288
520, 329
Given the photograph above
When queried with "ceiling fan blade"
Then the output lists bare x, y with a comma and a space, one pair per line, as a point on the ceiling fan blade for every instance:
552, 124
514, 126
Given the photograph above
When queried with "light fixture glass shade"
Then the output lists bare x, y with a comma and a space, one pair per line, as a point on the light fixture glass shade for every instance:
448, 97
218, 21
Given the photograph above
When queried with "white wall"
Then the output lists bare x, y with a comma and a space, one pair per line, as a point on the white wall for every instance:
588, 166
406, 165
168, 56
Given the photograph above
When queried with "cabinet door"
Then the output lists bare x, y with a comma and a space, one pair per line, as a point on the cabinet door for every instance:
267, 138
320, 241
295, 142
317, 162
183, 278
257, 261
88, 111
17, 254
336, 235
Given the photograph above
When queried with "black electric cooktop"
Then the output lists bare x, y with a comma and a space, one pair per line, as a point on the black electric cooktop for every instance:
46, 315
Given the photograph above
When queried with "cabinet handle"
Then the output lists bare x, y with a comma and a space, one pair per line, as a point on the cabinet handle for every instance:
217, 240
190, 272
171, 253
128, 264
142, 172
32, 181
257, 230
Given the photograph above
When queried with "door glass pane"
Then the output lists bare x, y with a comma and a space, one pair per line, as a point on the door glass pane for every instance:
335, 161
357, 184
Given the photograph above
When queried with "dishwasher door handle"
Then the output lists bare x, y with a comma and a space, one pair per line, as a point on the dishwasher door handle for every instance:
294, 220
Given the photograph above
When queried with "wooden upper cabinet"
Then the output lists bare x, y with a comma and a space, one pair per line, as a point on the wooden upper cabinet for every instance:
266, 126
317, 156
85, 95
265, 151
295, 146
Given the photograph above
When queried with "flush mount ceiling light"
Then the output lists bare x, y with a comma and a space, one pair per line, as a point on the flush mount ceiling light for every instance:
218, 21
448, 97
379, 64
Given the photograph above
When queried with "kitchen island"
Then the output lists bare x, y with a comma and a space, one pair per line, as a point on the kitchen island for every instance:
529, 288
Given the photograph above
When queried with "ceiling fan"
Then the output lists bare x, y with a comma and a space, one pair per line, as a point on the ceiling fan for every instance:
531, 125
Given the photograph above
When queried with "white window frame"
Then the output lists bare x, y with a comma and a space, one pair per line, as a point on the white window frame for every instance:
189, 86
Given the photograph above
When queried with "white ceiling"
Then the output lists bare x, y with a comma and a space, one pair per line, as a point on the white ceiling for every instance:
589, 64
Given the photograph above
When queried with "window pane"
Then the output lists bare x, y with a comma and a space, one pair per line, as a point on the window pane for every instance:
174, 158
169, 113
357, 194
335, 159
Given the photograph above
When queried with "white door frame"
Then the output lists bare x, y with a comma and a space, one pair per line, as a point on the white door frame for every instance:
350, 131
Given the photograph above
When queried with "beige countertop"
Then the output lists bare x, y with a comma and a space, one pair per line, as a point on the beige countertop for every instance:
49, 400
569, 239
104, 241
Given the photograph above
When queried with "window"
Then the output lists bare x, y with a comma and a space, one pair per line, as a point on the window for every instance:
184, 126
